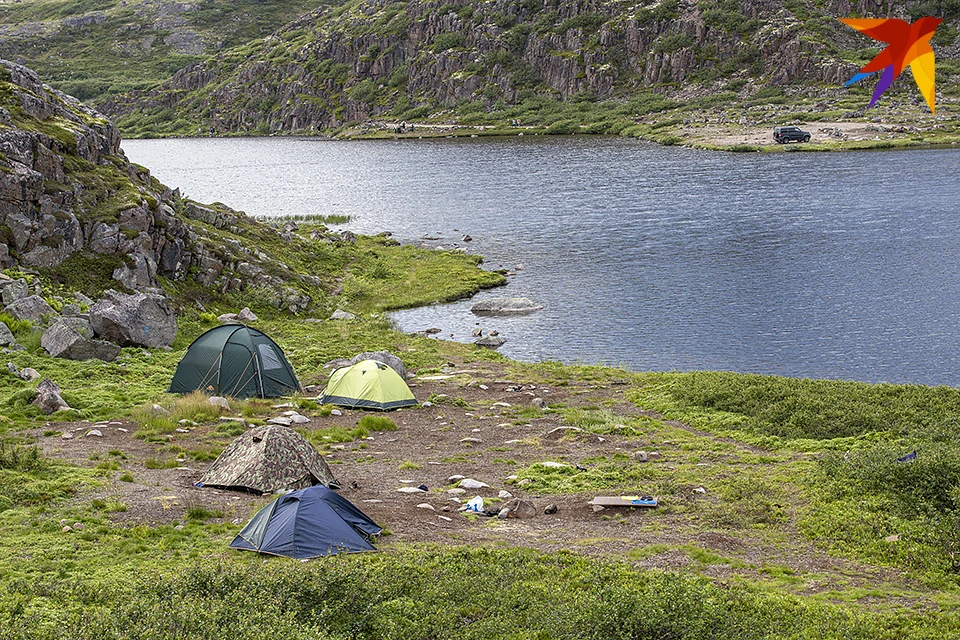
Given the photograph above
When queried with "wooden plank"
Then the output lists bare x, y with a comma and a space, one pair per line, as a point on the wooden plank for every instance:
624, 501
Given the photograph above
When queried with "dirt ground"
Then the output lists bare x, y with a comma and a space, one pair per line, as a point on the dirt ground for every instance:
820, 132
427, 449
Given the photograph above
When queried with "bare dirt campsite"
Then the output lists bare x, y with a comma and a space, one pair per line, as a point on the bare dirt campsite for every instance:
483, 423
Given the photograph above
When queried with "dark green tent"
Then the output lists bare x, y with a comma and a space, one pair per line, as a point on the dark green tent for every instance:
234, 360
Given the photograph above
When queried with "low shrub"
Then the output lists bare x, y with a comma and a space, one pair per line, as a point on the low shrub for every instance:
376, 423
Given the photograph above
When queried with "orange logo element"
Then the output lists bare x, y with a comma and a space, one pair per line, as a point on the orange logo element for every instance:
909, 44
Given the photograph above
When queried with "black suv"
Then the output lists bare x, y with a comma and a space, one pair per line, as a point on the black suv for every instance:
783, 135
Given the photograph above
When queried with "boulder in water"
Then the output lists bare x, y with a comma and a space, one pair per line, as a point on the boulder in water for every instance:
505, 306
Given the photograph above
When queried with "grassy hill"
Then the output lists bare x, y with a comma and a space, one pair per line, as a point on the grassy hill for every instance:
580, 67
662, 70
94, 49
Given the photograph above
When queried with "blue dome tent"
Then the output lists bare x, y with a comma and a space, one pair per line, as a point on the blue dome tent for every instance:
308, 523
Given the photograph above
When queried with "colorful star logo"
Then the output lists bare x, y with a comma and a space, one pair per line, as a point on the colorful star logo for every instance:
909, 44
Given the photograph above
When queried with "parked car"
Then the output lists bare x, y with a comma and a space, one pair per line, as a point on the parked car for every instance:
783, 135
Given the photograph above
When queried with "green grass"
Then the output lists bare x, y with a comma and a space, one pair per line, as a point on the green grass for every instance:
376, 423
412, 594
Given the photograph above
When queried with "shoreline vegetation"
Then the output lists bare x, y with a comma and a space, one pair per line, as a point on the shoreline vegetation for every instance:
743, 128
784, 513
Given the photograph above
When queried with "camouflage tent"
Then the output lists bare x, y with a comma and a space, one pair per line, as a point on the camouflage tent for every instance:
267, 459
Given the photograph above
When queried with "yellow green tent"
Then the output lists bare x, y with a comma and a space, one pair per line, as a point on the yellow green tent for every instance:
368, 385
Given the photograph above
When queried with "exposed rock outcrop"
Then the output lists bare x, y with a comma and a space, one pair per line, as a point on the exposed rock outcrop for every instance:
331, 67
67, 191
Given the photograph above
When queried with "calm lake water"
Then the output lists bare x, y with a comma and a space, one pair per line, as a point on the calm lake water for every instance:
834, 265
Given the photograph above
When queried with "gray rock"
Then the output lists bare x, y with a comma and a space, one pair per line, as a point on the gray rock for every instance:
12, 368
336, 363
6, 336
505, 306
227, 318
219, 401
385, 357
470, 483
13, 290
70, 310
246, 315
640, 456
490, 342
48, 397
410, 490
29, 373
82, 299
342, 315
140, 319
32, 308
521, 509
432, 330
79, 324
471, 440
282, 421
539, 403
550, 508
66, 340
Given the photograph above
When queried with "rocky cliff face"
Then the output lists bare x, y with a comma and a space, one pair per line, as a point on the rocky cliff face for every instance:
371, 57
67, 191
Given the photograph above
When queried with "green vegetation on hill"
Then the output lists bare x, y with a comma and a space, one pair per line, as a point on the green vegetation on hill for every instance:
93, 50
556, 68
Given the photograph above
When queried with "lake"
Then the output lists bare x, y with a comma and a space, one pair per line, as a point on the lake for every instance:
818, 265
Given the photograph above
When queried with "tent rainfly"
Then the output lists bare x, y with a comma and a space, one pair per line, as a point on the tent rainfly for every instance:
306, 524
267, 459
368, 385
235, 360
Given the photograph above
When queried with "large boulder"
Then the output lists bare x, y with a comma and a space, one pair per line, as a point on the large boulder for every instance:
139, 319
505, 306
48, 397
385, 357
71, 338
32, 308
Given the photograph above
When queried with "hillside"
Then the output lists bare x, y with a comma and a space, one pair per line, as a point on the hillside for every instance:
97, 48
585, 66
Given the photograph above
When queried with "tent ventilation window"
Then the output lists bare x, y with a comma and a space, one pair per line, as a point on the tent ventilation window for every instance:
269, 357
